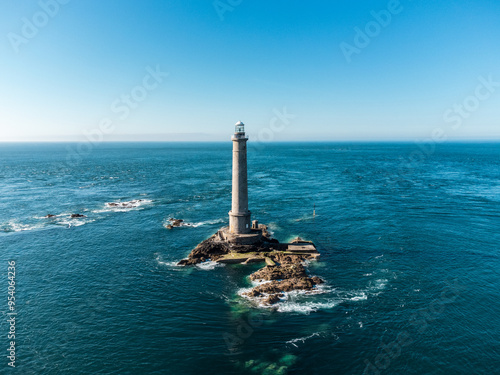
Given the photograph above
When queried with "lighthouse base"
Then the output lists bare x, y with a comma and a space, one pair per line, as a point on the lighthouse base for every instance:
239, 222
252, 237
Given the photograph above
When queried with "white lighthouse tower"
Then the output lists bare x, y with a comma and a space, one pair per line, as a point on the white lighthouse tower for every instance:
239, 216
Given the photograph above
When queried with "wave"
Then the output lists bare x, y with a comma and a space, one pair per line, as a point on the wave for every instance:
208, 222
205, 266
193, 225
74, 222
302, 339
208, 266
322, 297
170, 264
125, 206
16, 226
61, 220
286, 302
307, 307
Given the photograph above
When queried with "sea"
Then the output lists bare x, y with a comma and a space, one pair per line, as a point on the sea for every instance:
409, 236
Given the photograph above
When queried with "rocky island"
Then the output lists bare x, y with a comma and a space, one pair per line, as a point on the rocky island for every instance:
245, 241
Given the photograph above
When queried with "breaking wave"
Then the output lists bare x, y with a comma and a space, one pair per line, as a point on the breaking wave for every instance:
16, 226
125, 206
207, 266
322, 297
62, 220
208, 222
193, 225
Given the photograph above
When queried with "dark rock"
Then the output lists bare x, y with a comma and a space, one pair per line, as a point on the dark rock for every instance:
279, 286
188, 262
316, 280
50, 215
253, 293
290, 275
285, 271
209, 249
74, 216
288, 259
272, 299
174, 223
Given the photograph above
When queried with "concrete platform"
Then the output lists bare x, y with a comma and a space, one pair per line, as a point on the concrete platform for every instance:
302, 247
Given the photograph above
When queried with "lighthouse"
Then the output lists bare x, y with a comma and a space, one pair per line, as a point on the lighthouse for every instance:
243, 240
239, 216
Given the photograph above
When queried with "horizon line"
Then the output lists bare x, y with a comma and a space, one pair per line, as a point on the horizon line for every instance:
403, 140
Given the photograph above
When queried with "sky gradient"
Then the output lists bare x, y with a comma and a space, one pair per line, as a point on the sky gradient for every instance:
188, 70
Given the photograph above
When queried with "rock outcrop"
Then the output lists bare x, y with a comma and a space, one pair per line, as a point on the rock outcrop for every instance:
283, 278
174, 223
284, 270
210, 249
74, 216
214, 249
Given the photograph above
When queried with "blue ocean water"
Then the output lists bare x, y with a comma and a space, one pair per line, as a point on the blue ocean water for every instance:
409, 252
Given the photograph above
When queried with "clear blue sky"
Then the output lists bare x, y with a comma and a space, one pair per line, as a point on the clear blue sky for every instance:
246, 61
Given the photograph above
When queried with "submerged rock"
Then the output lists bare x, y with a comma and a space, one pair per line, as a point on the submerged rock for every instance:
49, 216
74, 216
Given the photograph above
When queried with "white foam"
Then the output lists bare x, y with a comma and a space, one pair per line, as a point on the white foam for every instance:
302, 339
193, 225
207, 266
173, 265
208, 222
16, 226
288, 299
170, 264
124, 206
379, 284
76, 222
306, 307
306, 301
360, 297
